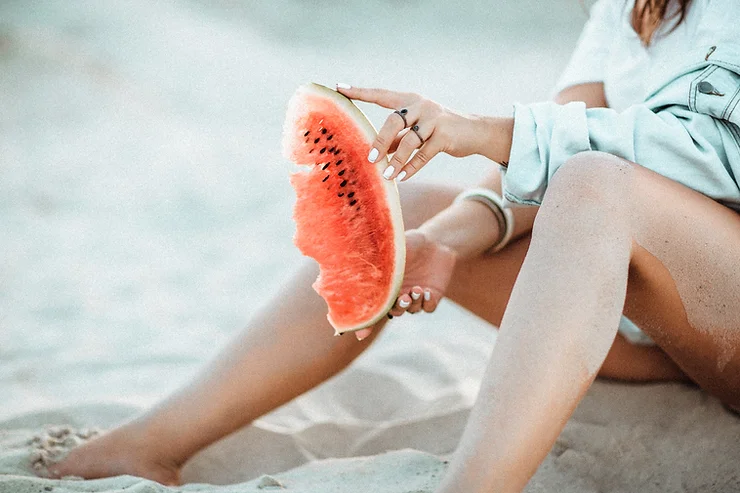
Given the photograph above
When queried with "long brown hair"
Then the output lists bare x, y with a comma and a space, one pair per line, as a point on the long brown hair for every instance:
647, 18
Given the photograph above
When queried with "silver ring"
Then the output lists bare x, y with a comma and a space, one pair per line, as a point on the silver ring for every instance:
402, 113
415, 129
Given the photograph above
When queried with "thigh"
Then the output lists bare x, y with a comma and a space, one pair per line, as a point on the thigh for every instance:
483, 285
684, 280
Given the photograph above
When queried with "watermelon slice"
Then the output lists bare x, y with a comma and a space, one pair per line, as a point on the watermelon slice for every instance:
348, 217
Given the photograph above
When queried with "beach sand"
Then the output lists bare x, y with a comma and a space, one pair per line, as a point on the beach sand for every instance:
145, 214
649, 438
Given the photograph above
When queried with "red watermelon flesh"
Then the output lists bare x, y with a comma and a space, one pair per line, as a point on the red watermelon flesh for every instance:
348, 217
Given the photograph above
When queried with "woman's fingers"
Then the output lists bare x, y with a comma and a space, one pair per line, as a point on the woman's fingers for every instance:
413, 125
427, 151
397, 140
363, 333
382, 97
406, 147
394, 124
402, 303
416, 300
430, 301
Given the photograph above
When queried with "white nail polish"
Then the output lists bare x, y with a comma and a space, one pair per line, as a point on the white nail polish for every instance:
342, 85
427, 295
404, 304
401, 176
388, 172
373, 155
415, 296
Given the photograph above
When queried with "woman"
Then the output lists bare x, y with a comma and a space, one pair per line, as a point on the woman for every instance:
632, 209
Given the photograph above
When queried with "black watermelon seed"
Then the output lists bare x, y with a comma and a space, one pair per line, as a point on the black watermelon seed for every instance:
353, 202
323, 130
342, 172
339, 162
358, 208
340, 194
329, 137
316, 140
332, 149
323, 150
344, 183
326, 166
336, 152
326, 178
311, 151
351, 194
307, 132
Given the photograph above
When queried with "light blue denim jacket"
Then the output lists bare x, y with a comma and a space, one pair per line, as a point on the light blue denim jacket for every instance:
687, 129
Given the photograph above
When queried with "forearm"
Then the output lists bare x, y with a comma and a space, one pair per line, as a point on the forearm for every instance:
494, 135
469, 228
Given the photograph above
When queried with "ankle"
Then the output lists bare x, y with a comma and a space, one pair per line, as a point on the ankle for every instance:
156, 439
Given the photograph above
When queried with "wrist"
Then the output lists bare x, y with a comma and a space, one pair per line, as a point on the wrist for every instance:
494, 136
466, 228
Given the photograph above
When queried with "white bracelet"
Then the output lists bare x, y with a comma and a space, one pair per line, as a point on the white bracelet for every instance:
494, 202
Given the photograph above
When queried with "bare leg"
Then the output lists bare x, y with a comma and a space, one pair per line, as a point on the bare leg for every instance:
565, 305
282, 353
240, 385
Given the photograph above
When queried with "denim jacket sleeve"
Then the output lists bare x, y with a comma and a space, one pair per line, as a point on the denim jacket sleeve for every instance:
687, 130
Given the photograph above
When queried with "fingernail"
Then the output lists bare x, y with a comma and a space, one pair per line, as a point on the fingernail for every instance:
342, 85
388, 172
359, 337
401, 176
404, 304
415, 296
427, 295
373, 155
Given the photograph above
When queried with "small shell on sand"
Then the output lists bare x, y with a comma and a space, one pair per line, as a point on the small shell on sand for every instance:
267, 481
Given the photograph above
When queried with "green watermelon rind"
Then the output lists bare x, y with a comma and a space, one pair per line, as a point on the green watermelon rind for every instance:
392, 198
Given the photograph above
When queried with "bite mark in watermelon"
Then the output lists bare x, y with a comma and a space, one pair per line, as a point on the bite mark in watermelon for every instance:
348, 217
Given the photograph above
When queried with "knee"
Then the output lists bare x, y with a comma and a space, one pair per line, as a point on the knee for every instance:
589, 189
590, 179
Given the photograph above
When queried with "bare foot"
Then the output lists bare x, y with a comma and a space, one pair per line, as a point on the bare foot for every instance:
121, 451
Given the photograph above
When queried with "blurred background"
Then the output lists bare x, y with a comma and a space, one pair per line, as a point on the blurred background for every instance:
145, 209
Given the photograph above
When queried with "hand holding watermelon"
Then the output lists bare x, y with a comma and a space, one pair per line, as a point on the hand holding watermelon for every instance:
349, 218
421, 125
429, 268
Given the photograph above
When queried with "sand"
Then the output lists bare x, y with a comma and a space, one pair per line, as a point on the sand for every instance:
622, 438
145, 214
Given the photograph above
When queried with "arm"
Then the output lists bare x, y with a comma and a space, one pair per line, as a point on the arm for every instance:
467, 227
